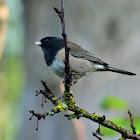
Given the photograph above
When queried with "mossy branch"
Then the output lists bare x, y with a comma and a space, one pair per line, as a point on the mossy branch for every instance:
78, 112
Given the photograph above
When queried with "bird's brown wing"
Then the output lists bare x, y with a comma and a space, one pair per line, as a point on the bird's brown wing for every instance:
77, 51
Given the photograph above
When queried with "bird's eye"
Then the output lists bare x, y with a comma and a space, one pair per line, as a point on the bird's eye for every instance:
45, 41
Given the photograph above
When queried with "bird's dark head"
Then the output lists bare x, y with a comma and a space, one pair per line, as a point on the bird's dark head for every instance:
49, 41
50, 46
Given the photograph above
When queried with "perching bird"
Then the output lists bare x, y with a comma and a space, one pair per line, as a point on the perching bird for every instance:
82, 62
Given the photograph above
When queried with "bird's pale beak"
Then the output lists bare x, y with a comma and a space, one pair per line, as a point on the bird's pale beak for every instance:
38, 43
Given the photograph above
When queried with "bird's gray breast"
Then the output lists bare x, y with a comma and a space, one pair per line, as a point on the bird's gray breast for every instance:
58, 67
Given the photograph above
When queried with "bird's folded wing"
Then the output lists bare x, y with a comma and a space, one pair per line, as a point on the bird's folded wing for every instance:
77, 51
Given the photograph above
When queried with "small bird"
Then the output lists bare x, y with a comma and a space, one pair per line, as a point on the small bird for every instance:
82, 62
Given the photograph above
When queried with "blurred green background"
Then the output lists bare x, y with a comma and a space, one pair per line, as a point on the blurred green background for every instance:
108, 28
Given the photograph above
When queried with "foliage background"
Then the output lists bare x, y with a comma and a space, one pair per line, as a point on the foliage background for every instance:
108, 28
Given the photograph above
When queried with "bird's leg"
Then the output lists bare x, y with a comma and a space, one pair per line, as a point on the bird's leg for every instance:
72, 79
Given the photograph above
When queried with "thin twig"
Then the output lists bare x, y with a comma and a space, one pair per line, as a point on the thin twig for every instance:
132, 124
66, 61
94, 134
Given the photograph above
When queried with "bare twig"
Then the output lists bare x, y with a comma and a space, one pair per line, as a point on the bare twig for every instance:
132, 124
94, 134
66, 61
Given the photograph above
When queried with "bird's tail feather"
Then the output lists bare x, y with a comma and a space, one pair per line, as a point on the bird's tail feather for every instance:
120, 71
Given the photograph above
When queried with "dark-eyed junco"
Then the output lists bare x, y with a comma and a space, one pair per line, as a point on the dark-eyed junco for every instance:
82, 62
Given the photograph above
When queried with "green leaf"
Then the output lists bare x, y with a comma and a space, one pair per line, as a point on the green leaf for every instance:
136, 121
108, 132
112, 102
